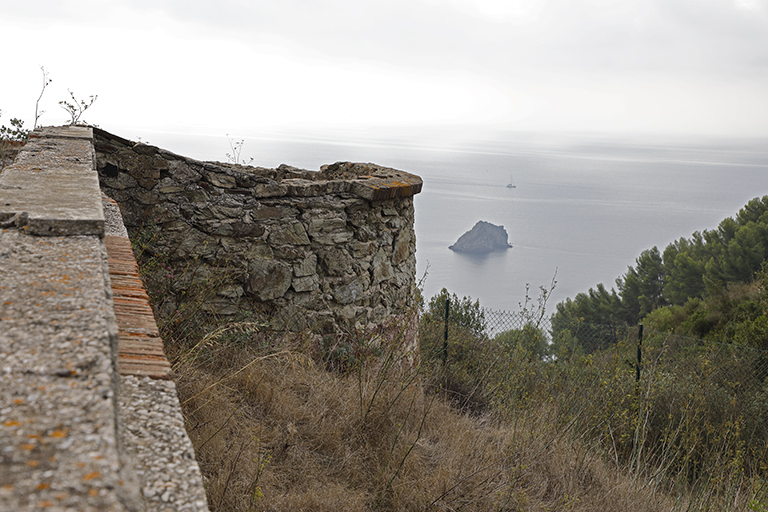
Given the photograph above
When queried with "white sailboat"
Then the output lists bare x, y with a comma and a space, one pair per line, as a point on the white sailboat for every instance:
511, 183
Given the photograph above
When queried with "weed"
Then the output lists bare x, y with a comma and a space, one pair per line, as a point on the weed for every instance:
46, 83
15, 133
77, 108
10, 139
236, 146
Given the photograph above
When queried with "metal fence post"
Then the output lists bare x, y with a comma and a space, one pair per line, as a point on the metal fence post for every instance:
445, 333
639, 350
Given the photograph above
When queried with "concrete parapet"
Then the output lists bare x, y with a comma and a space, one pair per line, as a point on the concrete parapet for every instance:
66, 422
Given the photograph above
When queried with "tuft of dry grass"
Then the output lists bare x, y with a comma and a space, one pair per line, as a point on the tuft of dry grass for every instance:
274, 430
9, 150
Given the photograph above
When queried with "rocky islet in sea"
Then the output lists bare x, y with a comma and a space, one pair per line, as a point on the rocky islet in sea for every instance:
483, 238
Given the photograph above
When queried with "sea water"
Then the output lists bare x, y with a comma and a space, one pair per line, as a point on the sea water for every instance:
581, 211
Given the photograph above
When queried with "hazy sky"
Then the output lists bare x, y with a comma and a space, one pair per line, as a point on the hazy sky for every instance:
229, 66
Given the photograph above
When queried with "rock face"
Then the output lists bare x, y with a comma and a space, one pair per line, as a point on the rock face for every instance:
332, 250
483, 238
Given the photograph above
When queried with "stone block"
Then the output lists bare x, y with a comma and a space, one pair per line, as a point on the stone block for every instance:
182, 173
290, 318
194, 243
335, 261
138, 166
382, 267
329, 231
144, 149
169, 189
219, 212
349, 293
363, 249
121, 182
160, 163
195, 196
268, 279
147, 183
147, 197
306, 267
265, 213
295, 234
221, 180
305, 284
253, 249
327, 225
269, 190
242, 229
289, 252
365, 233
404, 247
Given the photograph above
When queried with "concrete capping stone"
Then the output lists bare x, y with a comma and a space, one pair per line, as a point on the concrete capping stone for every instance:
52, 188
64, 132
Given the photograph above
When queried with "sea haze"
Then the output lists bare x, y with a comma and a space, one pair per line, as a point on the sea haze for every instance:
583, 208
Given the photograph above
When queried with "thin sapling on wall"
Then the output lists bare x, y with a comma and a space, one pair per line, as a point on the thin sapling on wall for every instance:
237, 148
46, 82
77, 108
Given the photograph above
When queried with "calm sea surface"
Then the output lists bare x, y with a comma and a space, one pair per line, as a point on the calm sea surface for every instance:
582, 208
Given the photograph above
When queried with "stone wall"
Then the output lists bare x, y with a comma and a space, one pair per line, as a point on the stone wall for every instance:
330, 250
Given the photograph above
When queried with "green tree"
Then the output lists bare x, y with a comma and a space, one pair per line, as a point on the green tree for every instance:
703, 265
739, 255
461, 364
531, 340
587, 321
463, 313
641, 287
684, 265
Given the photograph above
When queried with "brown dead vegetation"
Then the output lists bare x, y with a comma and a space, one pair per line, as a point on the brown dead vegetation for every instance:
274, 430
8, 152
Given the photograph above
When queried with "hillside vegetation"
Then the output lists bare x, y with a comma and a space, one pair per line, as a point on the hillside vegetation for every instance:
531, 417
702, 277
274, 429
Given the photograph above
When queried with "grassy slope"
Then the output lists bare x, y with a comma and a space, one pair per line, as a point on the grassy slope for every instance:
275, 431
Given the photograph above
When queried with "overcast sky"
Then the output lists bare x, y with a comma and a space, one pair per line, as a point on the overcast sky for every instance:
232, 66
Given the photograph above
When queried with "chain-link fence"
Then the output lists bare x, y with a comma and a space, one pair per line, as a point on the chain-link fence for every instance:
690, 404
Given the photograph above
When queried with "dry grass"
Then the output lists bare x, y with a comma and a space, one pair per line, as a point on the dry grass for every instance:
273, 430
8, 152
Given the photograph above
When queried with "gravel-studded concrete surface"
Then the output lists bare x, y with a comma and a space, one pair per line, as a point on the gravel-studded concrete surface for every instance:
154, 439
58, 435
113, 220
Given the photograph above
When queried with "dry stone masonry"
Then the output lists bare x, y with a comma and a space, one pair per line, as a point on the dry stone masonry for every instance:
329, 250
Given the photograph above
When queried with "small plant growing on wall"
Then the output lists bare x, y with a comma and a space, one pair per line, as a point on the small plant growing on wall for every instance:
46, 83
77, 108
15, 132
237, 147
